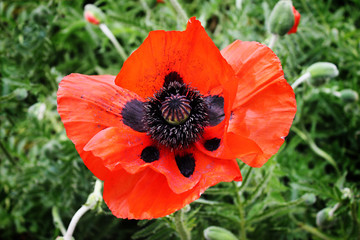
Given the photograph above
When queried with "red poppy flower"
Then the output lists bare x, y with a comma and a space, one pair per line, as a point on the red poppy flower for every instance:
175, 118
297, 17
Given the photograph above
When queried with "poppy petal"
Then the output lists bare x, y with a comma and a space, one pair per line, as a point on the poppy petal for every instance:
191, 54
124, 148
265, 103
217, 144
120, 148
147, 195
87, 105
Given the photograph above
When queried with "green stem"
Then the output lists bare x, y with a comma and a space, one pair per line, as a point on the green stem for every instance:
246, 179
242, 230
300, 80
57, 220
313, 231
2, 147
179, 9
318, 151
112, 38
93, 199
180, 226
273, 40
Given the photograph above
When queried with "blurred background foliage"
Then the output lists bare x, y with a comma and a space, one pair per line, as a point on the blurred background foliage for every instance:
309, 190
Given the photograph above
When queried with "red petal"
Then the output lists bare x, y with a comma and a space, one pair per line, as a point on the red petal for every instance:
265, 103
87, 105
147, 195
231, 145
190, 53
119, 148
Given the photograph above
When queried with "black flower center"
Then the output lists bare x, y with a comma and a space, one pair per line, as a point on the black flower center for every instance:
176, 115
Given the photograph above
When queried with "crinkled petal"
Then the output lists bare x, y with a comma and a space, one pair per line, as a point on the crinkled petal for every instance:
230, 146
190, 53
119, 148
147, 195
87, 105
265, 103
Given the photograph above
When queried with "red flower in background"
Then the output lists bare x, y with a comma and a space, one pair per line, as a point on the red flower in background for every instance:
90, 17
297, 17
175, 118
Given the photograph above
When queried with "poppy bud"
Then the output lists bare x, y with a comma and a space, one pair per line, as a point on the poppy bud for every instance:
20, 93
93, 14
324, 217
309, 198
218, 233
349, 95
321, 70
297, 17
282, 18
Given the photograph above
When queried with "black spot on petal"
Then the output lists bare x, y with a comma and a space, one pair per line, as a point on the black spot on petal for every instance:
172, 77
133, 113
150, 154
212, 144
186, 164
215, 106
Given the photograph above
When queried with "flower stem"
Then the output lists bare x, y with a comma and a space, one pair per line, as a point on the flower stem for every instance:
240, 206
318, 151
57, 220
93, 199
273, 40
179, 9
301, 80
112, 38
75, 219
180, 226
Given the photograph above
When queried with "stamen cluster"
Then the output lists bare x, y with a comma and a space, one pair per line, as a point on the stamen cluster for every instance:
166, 120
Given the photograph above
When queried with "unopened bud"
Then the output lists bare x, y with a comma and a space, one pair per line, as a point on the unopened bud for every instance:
324, 217
218, 233
93, 14
322, 70
297, 17
20, 93
309, 198
282, 18
349, 96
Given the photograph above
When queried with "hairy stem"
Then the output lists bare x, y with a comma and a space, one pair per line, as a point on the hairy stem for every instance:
273, 40
180, 226
115, 42
300, 80
242, 230
179, 9
93, 199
